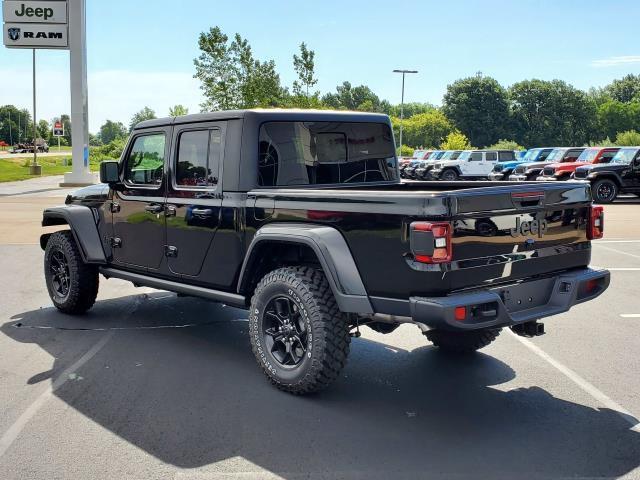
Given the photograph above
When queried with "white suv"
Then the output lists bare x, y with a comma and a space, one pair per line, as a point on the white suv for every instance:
471, 164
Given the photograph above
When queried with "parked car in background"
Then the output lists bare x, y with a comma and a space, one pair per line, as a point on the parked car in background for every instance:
563, 171
531, 171
471, 164
620, 175
502, 170
404, 162
424, 171
41, 145
409, 170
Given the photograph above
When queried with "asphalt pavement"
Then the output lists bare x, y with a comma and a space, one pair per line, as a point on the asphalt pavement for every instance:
149, 385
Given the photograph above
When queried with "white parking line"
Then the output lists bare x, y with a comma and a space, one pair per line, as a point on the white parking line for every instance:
598, 242
14, 430
630, 315
582, 383
615, 250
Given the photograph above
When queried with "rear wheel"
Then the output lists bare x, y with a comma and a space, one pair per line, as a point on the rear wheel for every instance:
449, 175
72, 284
462, 342
298, 335
605, 191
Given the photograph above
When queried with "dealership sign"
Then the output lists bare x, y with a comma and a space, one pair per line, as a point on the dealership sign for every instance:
37, 24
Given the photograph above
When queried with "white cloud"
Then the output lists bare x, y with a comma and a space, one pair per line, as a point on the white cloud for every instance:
616, 61
113, 94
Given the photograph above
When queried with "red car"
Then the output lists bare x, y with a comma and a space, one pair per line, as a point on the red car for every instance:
564, 171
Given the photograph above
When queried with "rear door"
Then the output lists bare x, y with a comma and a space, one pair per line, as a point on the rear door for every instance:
194, 196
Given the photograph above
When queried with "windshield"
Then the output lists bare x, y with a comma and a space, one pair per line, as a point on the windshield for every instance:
420, 153
555, 155
588, 155
531, 155
625, 155
450, 155
465, 155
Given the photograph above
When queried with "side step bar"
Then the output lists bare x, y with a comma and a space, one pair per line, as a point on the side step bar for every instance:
227, 298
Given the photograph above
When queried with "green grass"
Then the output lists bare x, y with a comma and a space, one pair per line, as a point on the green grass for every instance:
18, 168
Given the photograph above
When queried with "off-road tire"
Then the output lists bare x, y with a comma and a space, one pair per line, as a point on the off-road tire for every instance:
600, 184
328, 346
462, 342
449, 175
82, 278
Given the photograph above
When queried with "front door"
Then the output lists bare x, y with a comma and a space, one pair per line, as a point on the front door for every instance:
138, 207
474, 164
194, 198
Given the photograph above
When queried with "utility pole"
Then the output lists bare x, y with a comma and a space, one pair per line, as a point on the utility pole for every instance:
10, 133
403, 72
35, 169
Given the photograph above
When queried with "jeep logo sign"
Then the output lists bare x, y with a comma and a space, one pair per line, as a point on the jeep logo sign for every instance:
524, 228
34, 12
35, 35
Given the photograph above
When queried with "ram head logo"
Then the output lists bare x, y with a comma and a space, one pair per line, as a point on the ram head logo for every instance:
14, 34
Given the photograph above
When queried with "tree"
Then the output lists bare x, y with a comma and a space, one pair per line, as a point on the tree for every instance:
410, 109
178, 111
478, 107
351, 98
504, 144
304, 66
44, 130
112, 130
629, 138
145, 114
405, 151
625, 89
66, 123
230, 77
456, 140
15, 125
426, 129
548, 113
614, 116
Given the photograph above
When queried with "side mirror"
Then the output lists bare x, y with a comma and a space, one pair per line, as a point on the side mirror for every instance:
109, 172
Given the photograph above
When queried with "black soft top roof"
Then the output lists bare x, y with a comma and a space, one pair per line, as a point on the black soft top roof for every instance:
263, 115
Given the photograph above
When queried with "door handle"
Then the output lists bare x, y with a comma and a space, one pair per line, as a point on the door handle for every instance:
153, 208
202, 212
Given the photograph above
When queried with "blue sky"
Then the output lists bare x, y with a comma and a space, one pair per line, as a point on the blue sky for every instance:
141, 53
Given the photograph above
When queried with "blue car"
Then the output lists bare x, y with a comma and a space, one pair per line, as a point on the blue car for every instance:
502, 170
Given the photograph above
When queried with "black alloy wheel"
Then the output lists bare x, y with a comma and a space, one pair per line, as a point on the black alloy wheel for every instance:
60, 275
284, 331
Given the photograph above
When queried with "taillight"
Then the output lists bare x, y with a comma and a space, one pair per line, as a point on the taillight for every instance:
595, 228
431, 242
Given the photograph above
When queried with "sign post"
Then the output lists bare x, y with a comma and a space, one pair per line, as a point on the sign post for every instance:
61, 25
58, 131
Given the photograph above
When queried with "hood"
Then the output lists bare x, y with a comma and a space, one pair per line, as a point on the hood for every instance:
598, 167
93, 194
509, 164
567, 165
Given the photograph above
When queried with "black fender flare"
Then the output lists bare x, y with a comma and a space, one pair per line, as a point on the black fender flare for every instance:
333, 254
606, 174
82, 223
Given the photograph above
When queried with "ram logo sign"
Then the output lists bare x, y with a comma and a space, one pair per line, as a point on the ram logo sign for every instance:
35, 35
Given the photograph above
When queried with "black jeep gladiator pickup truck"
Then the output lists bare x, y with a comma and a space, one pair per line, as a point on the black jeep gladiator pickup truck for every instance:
300, 217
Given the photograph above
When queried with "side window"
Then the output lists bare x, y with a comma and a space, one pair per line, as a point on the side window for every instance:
491, 156
572, 155
543, 155
476, 157
506, 156
198, 158
606, 157
145, 162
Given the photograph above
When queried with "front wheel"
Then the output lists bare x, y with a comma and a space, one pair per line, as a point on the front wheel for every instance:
462, 342
72, 284
605, 191
449, 175
298, 335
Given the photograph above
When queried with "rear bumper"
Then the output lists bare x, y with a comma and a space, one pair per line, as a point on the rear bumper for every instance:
546, 178
494, 176
512, 304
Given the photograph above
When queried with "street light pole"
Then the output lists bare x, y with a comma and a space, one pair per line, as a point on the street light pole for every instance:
35, 169
403, 72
